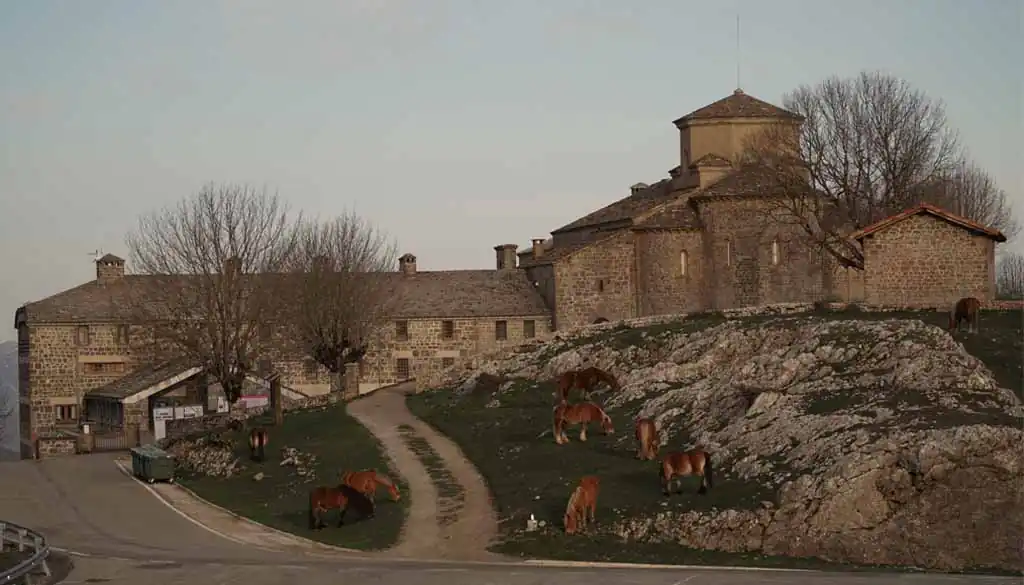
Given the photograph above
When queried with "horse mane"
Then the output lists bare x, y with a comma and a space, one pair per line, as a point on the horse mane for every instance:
382, 479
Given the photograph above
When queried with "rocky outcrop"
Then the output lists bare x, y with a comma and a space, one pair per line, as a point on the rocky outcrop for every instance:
882, 442
209, 455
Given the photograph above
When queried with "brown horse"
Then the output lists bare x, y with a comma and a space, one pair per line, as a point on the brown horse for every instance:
582, 501
683, 463
323, 498
966, 309
258, 440
582, 414
586, 380
366, 481
647, 437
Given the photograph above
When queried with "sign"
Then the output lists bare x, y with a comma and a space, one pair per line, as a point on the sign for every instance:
193, 411
163, 413
255, 401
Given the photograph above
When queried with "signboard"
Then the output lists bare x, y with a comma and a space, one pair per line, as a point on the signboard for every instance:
255, 401
162, 414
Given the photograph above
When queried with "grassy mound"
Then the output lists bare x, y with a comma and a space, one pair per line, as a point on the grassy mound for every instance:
280, 498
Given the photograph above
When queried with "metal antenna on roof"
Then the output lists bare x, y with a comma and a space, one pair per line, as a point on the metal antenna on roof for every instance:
96, 254
738, 86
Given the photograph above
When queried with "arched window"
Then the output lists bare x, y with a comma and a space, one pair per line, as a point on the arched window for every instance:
683, 261
728, 252
775, 251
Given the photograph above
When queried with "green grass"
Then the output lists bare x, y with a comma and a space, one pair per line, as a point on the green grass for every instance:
451, 495
513, 448
280, 499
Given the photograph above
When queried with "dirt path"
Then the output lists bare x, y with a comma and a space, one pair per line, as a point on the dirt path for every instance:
435, 528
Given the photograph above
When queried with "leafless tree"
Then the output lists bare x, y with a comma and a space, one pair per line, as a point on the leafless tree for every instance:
215, 263
1010, 276
869, 146
343, 287
6, 413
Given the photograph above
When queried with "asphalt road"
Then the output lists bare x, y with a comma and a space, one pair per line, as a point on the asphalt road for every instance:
117, 533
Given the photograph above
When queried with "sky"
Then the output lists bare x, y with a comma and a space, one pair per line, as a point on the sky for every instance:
453, 125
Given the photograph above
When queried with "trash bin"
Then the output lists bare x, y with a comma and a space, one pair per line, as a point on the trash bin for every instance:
136, 461
155, 464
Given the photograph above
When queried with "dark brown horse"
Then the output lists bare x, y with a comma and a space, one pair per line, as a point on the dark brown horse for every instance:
343, 497
683, 463
258, 439
966, 309
586, 380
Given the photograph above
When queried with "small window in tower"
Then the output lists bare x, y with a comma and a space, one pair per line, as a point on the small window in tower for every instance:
728, 253
683, 260
775, 252
600, 285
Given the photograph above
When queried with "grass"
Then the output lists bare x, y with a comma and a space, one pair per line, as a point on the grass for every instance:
512, 446
10, 558
280, 498
451, 495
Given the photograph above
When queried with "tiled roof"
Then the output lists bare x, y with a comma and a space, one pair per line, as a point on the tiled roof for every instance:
111, 259
738, 105
456, 293
555, 253
744, 182
682, 216
936, 212
142, 378
625, 208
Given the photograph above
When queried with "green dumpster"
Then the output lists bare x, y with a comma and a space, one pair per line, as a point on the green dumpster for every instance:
155, 464
136, 461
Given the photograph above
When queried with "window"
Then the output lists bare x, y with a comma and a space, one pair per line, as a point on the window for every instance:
448, 329
683, 257
501, 330
403, 368
82, 335
447, 362
402, 330
775, 252
67, 413
265, 332
310, 368
728, 253
600, 285
529, 329
104, 368
122, 334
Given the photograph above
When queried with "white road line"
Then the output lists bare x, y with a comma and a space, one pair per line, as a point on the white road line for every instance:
607, 565
163, 501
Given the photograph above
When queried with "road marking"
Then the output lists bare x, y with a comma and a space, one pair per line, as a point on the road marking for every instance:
163, 501
73, 553
607, 565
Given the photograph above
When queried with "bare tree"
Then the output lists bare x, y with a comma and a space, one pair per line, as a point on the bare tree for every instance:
6, 413
342, 271
869, 146
215, 263
1010, 276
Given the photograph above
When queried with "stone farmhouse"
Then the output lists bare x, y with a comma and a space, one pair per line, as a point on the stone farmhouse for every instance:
698, 239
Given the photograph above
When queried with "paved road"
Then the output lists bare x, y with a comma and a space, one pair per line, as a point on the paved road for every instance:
85, 504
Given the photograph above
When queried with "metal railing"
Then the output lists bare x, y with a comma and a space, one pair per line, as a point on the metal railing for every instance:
21, 539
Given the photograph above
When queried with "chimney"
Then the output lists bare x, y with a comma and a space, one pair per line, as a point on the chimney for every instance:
639, 188
232, 265
506, 256
109, 269
407, 264
538, 247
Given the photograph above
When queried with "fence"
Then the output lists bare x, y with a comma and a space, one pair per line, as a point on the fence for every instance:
23, 540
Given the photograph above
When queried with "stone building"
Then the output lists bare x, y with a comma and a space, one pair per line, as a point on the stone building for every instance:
77, 350
704, 238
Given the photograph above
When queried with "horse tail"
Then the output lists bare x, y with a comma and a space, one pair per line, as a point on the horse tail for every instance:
708, 473
312, 510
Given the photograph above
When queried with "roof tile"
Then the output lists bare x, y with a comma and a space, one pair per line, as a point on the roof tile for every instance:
738, 105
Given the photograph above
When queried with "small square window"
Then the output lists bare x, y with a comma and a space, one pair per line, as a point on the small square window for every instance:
402, 330
600, 285
529, 329
501, 330
123, 334
402, 366
67, 413
447, 329
447, 362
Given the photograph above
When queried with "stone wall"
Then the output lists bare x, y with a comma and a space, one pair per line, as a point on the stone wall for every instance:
663, 284
739, 256
219, 422
596, 281
49, 447
544, 276
924, 261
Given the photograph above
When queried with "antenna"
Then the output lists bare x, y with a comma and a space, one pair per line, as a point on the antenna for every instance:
96, 254
737, 49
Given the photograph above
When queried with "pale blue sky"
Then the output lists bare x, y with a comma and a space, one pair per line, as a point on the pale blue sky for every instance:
455, 125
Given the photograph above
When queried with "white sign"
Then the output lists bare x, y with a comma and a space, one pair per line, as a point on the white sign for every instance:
222, 404
255, 401
193, 411
164, 413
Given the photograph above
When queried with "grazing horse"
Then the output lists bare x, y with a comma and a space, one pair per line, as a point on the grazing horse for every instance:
683, 463
966, 309
322, 499
585, 379
582, 501
583, 414
366, 482
258, 439
647, 437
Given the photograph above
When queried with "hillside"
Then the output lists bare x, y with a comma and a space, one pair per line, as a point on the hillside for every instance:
853, 437
8, 398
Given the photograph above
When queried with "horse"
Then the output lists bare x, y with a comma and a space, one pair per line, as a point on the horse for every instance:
683, 463
583, 414
647, 437
366, 481
966, 309
585, 379
582, 501
323, 498
258, 439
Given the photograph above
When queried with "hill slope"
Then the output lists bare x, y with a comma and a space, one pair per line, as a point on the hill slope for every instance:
875, 441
